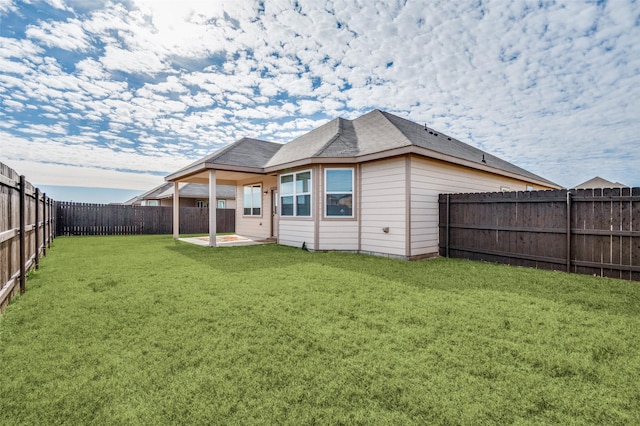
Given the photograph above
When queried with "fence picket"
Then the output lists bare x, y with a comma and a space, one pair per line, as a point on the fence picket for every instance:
111, 219
595, 232
23, 231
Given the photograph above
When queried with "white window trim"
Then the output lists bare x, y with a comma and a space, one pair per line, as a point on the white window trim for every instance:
251, 185
294, 194
326, 192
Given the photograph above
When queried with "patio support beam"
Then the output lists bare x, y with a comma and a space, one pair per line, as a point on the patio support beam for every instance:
176, 210
212, 208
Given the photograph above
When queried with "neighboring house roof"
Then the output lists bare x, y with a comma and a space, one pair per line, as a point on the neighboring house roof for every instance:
151, 194
598, 182
190, 190
200, 190
376, 134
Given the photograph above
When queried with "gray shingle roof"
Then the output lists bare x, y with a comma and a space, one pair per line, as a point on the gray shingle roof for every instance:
153, 194
336, 138
598, 182
201, 190
245, 152
371, 133
438, 142
190, 190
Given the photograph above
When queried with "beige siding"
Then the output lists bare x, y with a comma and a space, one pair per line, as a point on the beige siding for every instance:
338, 235
295, 232
383, 198
429, 178
258, 226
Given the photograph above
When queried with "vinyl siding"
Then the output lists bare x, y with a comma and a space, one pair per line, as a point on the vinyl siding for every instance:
383, 201
258, 226
294, 232
429, 178
338, 235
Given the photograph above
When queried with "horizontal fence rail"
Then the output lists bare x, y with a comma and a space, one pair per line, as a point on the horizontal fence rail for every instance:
586, 231
113, 219
27, 227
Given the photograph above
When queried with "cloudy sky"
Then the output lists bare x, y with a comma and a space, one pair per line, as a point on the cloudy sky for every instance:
105, 94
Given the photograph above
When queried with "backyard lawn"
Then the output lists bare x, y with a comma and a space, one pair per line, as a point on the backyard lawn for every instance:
147, 330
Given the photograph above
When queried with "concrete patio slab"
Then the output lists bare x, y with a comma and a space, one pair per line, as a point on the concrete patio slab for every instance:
227, 240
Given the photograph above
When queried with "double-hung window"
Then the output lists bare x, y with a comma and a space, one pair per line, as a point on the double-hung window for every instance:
338, 188
252, 200
295, 194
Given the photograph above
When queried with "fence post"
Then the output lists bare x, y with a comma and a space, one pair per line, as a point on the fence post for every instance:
44, 224
23, 239
568, 231
447, 228
37, 205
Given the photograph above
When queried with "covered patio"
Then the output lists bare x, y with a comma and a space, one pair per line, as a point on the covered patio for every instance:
240, 164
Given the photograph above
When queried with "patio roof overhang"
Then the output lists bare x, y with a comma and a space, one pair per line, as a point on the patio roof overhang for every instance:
226, 174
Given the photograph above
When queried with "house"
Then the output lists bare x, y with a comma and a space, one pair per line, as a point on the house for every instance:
598, 182
368, 185
191, 195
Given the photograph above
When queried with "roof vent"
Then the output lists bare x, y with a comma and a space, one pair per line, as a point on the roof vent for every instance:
483, 160
425, 127
449, 138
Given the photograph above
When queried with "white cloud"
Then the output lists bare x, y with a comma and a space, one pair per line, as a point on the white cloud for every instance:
67, 35
6, 6
68, 175
132, 61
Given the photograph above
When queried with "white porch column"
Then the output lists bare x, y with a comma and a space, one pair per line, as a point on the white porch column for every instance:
176, 210
213, 205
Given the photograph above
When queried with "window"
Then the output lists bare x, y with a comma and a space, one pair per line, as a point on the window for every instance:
338, 188
201, 203
222, 204
295, 194
252, 200
153, 203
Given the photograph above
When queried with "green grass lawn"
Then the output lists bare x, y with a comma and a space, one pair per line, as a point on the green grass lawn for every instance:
147, 330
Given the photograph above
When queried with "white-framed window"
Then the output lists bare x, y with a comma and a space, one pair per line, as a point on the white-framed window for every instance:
153, 203
252, 200
201, 204
338, 190
505, 189
222, 204
295, 194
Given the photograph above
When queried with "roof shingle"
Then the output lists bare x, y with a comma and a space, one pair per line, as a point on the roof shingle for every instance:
371, 133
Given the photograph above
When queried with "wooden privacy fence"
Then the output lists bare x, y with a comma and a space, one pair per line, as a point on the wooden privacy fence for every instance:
587, 231
26, 230
113, 219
